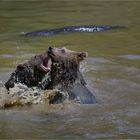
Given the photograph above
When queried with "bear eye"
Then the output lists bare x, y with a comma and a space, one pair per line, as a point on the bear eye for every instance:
80, 55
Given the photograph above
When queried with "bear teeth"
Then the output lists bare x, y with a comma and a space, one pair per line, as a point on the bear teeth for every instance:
45, 68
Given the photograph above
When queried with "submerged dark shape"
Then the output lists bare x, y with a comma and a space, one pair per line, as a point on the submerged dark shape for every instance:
70, 29
30, 73
66, 76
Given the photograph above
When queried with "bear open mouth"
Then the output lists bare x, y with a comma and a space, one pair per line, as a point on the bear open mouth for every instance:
45, 64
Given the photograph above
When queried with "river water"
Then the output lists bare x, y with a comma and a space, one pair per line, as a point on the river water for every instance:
112, 68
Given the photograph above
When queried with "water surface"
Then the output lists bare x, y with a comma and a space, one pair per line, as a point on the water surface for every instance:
112, 69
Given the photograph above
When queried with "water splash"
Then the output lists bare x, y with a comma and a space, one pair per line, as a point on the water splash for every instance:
22, 95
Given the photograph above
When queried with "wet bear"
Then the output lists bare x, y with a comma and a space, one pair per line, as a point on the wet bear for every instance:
30, 73
66, 76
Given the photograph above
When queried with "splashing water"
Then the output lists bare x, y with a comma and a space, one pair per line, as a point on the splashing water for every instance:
22, 95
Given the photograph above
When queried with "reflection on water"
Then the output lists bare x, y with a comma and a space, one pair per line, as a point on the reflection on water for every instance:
112, 69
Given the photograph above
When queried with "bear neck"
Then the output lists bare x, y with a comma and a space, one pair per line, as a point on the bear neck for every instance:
64, 74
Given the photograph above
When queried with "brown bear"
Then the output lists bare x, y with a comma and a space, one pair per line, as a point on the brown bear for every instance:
66, 76
30, 73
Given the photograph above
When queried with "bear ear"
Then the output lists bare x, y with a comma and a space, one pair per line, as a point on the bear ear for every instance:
82, 55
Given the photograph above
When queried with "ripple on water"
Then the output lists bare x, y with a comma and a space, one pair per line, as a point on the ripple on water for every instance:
131, 56
6, 55
93, 64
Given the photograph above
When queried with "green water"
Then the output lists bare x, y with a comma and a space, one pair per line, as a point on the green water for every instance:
112, 69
